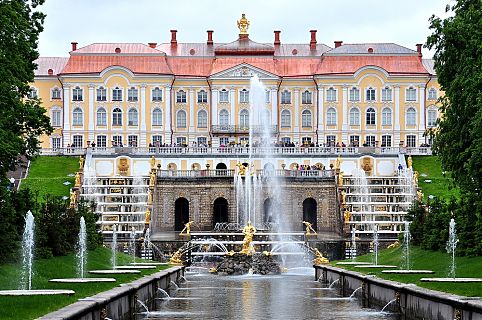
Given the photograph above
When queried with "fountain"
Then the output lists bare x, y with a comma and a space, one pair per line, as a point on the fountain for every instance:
114, 247
28, 244
375, 253
132, 244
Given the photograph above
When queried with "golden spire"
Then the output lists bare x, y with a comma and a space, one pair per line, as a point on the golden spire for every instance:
243, 24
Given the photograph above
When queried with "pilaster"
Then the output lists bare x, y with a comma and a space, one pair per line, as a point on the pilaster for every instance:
274, 106
167, 137
66, 114
143, 138
91, 112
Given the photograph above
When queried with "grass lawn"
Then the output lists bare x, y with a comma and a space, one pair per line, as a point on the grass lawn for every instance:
428, 260
59, 267
440, 186
47, 175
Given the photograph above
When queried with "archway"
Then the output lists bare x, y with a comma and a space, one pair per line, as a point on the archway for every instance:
181, 213
220, 211
309, 212
221, 169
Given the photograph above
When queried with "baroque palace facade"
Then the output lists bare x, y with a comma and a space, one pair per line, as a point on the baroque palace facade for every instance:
196, 94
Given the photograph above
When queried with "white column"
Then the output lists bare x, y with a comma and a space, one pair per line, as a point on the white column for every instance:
274, 106
232, 112
143, 139
214, 107
167, 130
396, 98
344, 127
66, 113
91, 112
321, 110
421, 123
297, 110
191, 111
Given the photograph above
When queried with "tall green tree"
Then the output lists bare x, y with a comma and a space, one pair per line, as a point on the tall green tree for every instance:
22, 120
457, 41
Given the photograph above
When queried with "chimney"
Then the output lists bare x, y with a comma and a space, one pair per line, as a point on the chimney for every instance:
152, 45
419, 49
313, 40
210, 37
74, 46
173, 38
338, 44
277, 41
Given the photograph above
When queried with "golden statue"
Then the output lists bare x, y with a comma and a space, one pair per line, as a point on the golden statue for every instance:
343, 197
153, 162
230, 253
149, 197
267, 253
176, 258
241, 168
148, 216
340, 178
77, 179
394, 245
243, 24
309, 229
249, 230
409, 161
152, 180
187, 229
419, 195
81, 162
319, 259
347, 216
213, 270
337, 162
415, 177
73, 198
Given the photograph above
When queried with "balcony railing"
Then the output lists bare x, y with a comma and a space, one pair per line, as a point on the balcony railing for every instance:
219, 173
258, 129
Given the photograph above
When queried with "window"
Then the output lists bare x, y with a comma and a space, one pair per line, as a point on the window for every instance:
411, 117
354, 94
78, 141
431, 118
101, 141
157, 117
56, 118
285, 119
244, 119
286, 140
330, 141
386, 141
370, 117
117, 141
132, 140
432, 94
156, 94
132, 94
286, 97
56, 94
354, 117
32, 94
202, 97
411, 141
331, 117
386, 94
411, 94
267, 98
77, 94
223, 96
306, 118
77, 117
156, 141
370, 94
244, 96
116, 94
56, 142
101, 94
202, 119
331, 94
101, 117
202, 141
181, 141
132, 117
386, 117
181, 119
224, 117
181, 96
223, 141
305, 140
306, 97
370, 141
117, 117
354, 141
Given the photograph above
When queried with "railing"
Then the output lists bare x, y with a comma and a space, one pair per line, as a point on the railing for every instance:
235, 151
230, 173
258, 129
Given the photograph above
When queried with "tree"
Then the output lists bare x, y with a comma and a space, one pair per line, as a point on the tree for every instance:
22, 119
457, 41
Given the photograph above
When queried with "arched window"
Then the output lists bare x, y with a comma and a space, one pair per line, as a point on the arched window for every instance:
244, 96
371, 117
354, 117
224, 117
411, 94
181, 96
431, 118
285, 97
370, 94
411, 117
77, 117
331, 117
386, 117
306, 118
101, 117
244, 118
202, 97
117, 117
285, 119
181, 119
132, 117
117, 94
202, 119
331, 94
306, 97
432, 94
223, 96
156, 94
157, 117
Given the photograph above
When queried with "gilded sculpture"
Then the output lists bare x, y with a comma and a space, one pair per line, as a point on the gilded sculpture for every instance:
153, 163
187, 229
309, 229
319, 259
243, 24
249, 230
340, 179
148, 216
347, 216
81, 162
77, 179
409, 161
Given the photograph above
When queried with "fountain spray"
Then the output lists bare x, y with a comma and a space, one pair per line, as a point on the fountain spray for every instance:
82, 249
132, 242
452, 246
406, 246
375, 244
114, 247
353, 244
28, 242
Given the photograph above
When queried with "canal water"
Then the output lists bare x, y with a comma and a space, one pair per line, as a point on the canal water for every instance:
293, 295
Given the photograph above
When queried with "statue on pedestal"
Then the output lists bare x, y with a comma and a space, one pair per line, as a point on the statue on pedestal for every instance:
309, 229
81, 162
319, 259
187, 229
347, 216
77, 179
73, 198
243, 24
409, 161
249, 230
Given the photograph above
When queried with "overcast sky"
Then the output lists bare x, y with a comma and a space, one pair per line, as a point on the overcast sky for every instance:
353, 21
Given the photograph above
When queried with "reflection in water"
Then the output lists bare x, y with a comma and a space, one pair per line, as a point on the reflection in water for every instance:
290, 296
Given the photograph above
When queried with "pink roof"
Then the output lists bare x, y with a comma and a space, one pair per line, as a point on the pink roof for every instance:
57, 64
110, 48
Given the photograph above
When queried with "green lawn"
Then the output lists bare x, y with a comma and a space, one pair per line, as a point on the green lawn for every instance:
428, 260
58, 267
439, 186
48, 174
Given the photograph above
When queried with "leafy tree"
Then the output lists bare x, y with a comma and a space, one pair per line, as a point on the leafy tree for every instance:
22, 119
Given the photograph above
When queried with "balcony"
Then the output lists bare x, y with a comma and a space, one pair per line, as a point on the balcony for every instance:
232, 129
223, 173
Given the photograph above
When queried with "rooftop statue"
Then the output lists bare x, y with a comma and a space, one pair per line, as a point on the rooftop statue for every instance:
243, 24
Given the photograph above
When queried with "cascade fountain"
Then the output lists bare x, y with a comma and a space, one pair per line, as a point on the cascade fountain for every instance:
353, 244
375, 245
114, 247
132, 244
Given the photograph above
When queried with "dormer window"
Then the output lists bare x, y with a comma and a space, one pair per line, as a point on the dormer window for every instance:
181, 96
56, 94
116, 94
101, 94
306, 97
